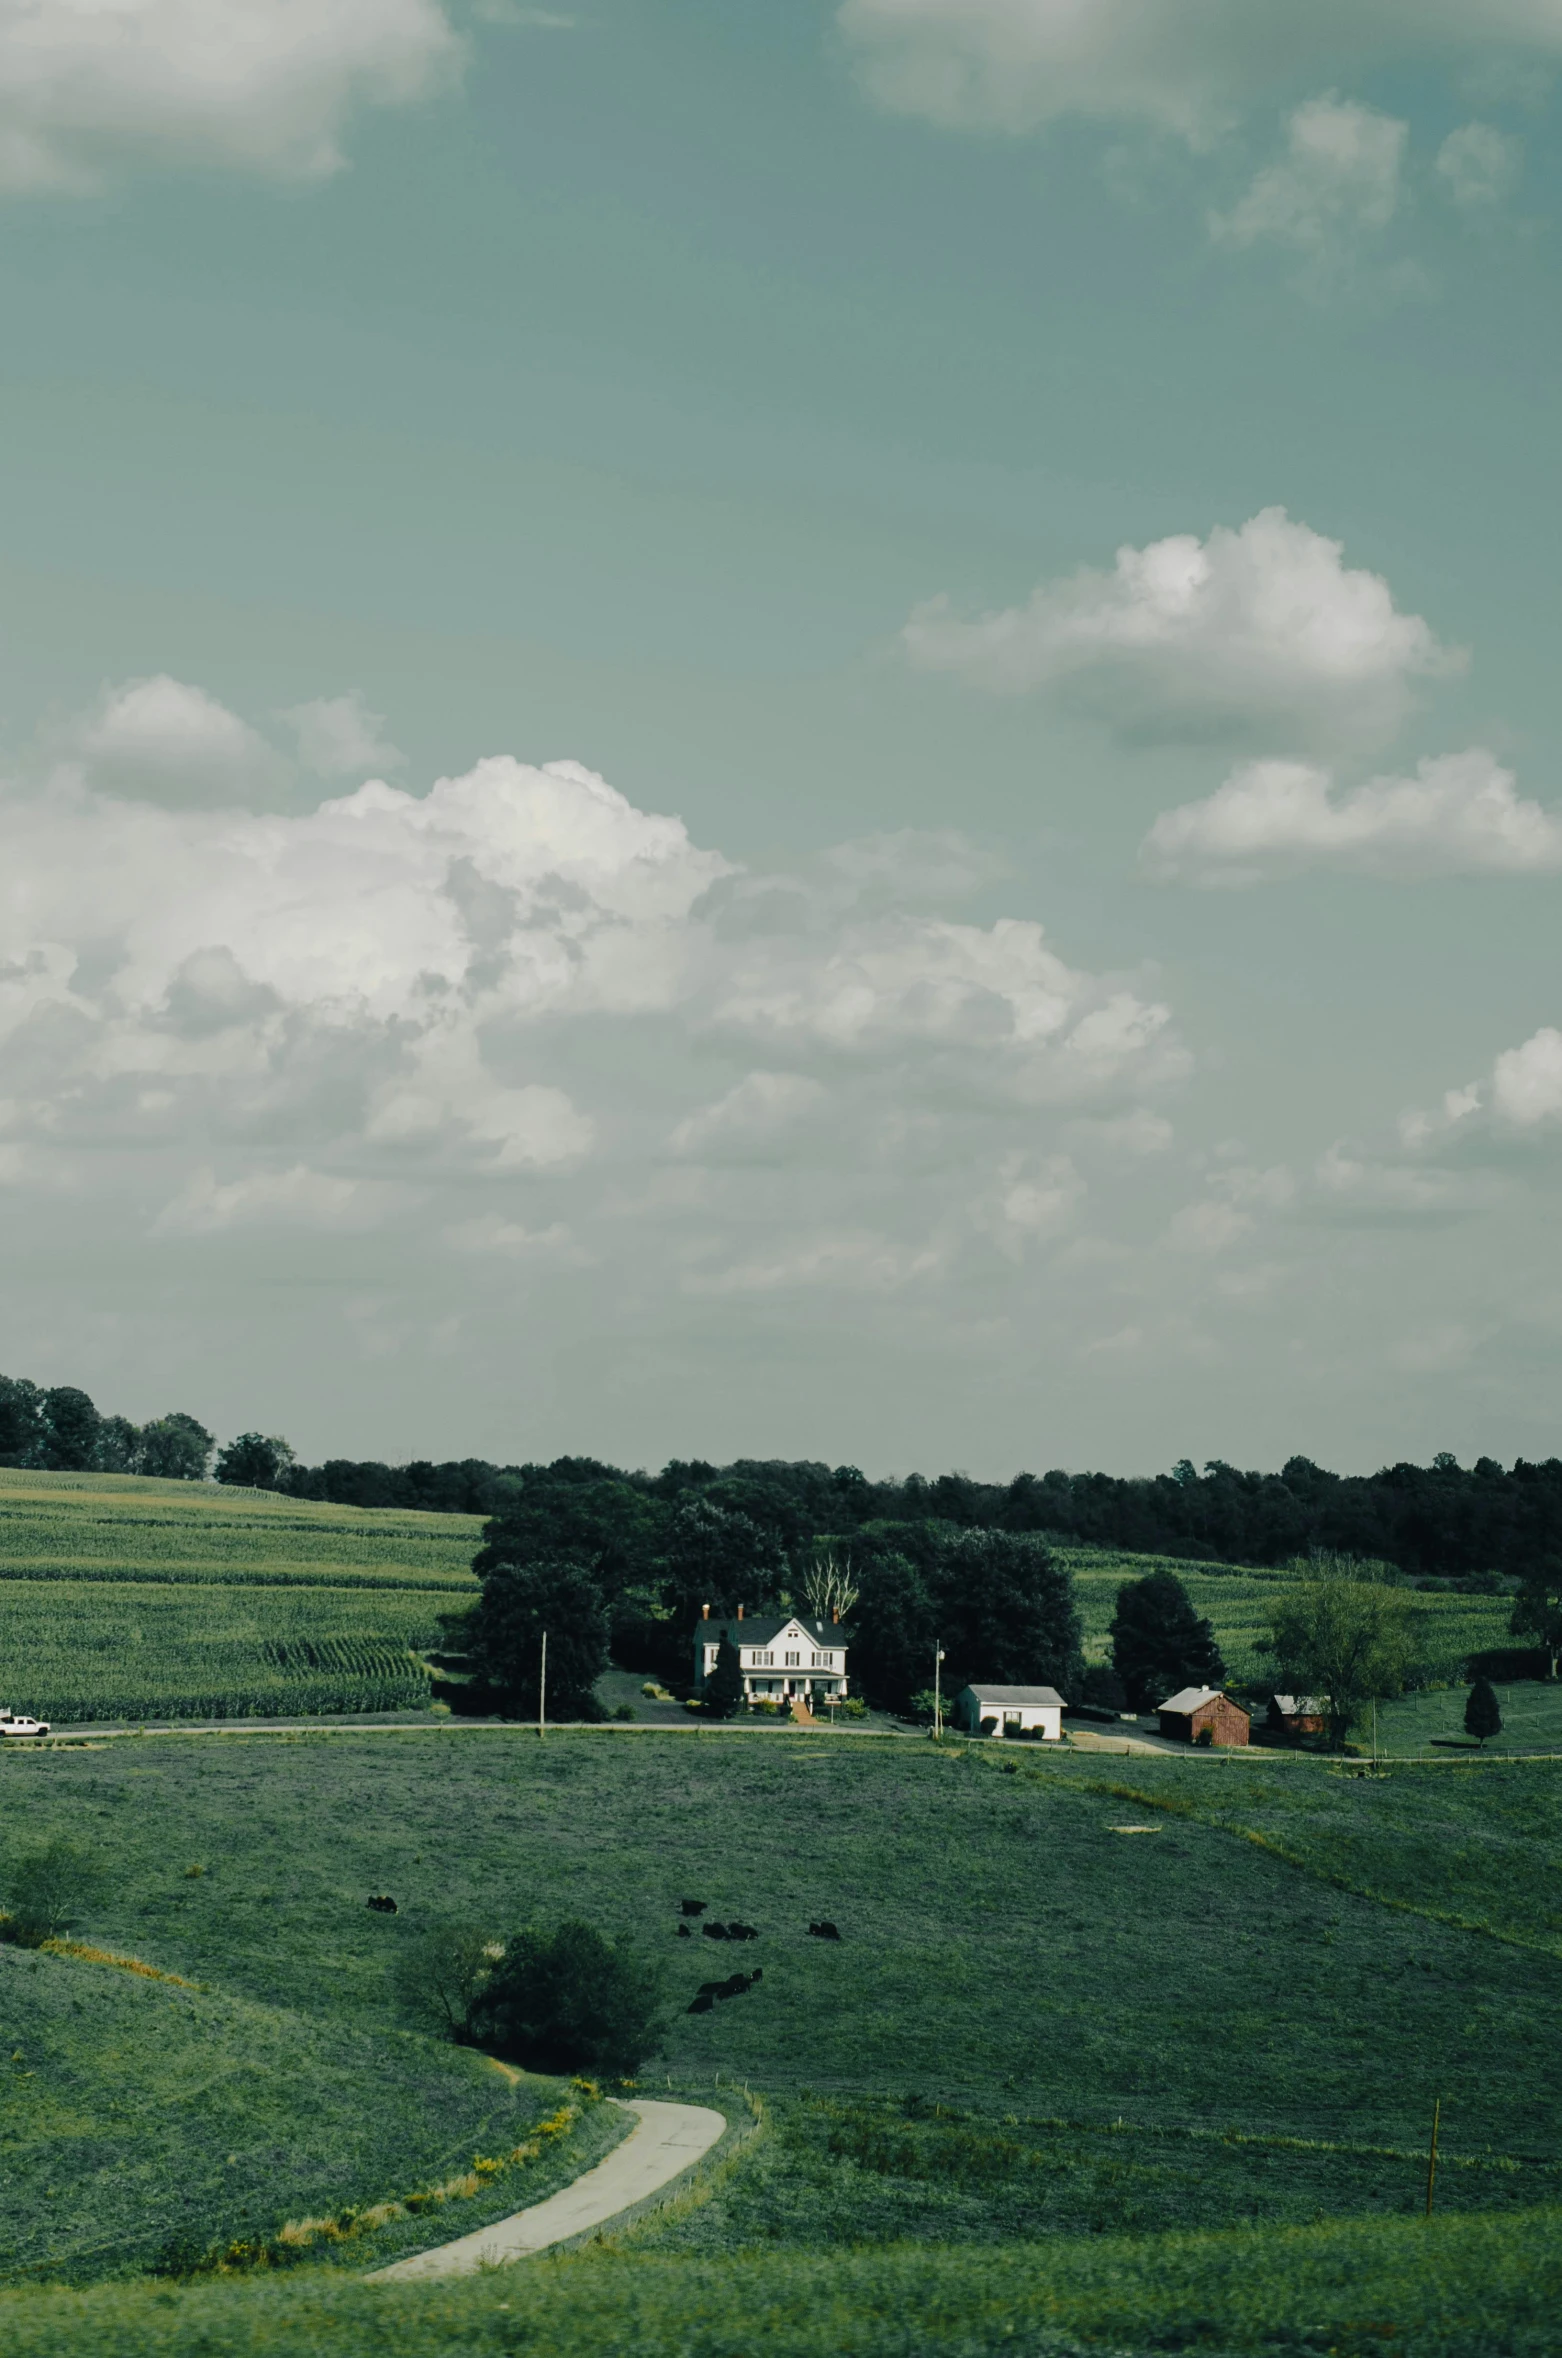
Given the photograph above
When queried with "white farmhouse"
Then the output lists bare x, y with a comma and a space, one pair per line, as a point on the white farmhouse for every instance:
1009, 1711
779, 1656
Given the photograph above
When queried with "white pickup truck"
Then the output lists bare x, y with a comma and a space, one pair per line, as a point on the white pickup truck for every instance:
17, 1723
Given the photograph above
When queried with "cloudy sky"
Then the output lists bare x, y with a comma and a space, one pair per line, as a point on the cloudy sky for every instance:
826, 729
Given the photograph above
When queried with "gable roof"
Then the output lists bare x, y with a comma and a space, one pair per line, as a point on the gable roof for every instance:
764, 1632
1017, 1698
1302, 1706
1189, 1699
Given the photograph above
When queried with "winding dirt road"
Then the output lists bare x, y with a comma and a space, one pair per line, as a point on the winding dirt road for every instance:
666, 2140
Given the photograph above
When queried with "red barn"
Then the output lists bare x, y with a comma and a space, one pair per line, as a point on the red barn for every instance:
1185, 1716
1298, 1715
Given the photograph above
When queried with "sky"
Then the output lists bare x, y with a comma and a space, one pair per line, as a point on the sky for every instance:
819, 731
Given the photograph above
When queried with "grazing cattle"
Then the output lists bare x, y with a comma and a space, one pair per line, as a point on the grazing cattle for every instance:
703, 2003
742, 1932
824, 1931
694, 1907
735, 1986
383, 1904
714, 1931
684, 1933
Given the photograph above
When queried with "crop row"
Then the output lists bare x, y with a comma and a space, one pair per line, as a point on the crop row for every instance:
114, 1651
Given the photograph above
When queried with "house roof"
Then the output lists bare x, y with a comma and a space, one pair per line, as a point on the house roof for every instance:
1017, 1698
1302, 1706
762, 1631
1189, 1699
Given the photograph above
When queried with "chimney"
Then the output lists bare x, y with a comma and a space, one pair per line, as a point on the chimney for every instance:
740, 1612
835, 1612
705, 1612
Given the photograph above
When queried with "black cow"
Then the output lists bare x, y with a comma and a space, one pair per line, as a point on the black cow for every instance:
694, 1907
684, 1933
703, 2003
383, 1904
824, 1931
714, 1931
742, 1932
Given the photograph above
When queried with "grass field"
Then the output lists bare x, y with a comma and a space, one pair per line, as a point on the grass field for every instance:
1468, 2287
1238, 1600
137, 2116
1035, 2029
122, 1598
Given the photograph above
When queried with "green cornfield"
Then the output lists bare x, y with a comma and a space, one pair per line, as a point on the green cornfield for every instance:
123, 1598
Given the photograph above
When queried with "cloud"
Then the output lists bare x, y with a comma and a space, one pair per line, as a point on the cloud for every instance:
1262, 629
1458, 816
493, 1235
160, 740
758, 1116
1188, 67
1519, 1099
1337, 182
264, 86
1479, 165
339, 737
296, 1198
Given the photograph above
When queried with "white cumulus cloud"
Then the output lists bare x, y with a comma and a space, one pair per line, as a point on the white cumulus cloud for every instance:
1262, 628
88, 86
161, 740
1459, 815
1479, 165
339, 737
1337, 181
1184, 66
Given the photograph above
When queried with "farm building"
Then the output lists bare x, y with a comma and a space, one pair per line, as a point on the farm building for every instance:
985, 1710
1185, 1716
780, 1656
1297, 1715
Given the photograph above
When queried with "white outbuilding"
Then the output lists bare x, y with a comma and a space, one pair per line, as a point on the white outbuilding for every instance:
983, 1710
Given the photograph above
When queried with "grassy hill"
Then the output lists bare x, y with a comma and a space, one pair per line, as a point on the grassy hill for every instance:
1079, 2050
140, 2116
125, 1598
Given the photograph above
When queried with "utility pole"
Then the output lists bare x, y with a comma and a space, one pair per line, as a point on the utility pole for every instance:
542, 1691
1431, 2157
938, 1695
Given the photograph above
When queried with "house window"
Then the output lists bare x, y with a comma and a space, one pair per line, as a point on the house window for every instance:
794, 1662
761, 1661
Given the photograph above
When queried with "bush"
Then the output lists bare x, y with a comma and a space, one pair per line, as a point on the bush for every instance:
569, 2001
439, 1973
48, 1888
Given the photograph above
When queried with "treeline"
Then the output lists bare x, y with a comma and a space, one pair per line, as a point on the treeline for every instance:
59, 1429
1441, 1521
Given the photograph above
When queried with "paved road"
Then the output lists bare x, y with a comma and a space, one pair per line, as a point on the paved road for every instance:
665, 2141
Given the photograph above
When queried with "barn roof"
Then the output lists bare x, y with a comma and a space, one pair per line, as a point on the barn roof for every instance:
1189, 1699
1302, 1706
1017, 1698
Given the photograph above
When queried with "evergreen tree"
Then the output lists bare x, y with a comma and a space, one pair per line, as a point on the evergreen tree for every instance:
1159, 1643
1482, 1715
724, 1687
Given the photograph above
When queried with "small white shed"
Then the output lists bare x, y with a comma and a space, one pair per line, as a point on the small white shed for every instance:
1009, 1711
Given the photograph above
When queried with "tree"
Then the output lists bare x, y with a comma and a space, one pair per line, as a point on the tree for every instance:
1482, 1713
568, 2000
724, 1687
254, 1461
1159, 1643
179, 1449
829, 1589
718, 1557
20, 1421
119, 1446
1537, 1609
503, 1635
579, 1509
439, 1972
68, 1430
894, 1632
1343, 1634
1006, 1611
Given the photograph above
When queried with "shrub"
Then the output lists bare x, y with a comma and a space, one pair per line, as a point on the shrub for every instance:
439, 1974
1482, 1714
569, 2001
48, 1888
